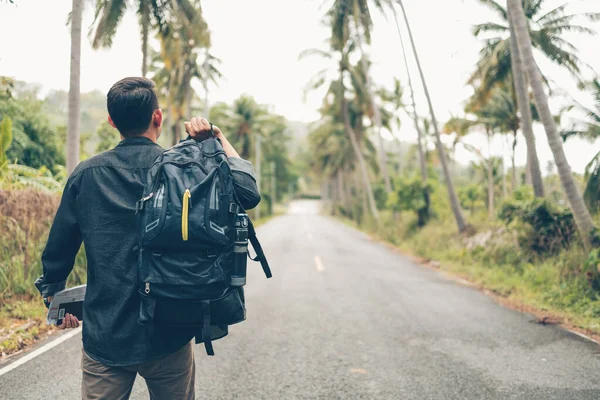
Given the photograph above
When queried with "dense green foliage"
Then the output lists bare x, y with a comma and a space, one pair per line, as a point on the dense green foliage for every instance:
34, 140
108, 137
411, 194
543, 226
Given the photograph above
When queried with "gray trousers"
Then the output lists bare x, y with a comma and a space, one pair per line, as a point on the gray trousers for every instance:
168, 378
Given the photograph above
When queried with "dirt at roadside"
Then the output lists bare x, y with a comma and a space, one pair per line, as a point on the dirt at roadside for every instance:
16, 334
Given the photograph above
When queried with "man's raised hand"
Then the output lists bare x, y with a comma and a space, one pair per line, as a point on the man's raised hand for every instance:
199, 129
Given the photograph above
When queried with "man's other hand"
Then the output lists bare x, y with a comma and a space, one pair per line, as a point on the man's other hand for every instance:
199, 129
69, 321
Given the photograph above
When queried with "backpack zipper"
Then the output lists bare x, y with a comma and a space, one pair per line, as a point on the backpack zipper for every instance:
185, 213
147, 290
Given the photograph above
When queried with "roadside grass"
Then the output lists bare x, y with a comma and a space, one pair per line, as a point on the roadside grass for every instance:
22, 322
554, 288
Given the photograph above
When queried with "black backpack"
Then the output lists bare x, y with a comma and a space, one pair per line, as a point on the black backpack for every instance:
193, 243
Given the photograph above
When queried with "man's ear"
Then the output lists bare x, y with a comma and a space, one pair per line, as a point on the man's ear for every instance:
110, 121
157, 117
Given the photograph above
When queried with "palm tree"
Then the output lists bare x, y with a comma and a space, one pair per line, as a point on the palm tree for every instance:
489, 170
107, 18
415, 116
245, 120
454, 203
332, 155
355, 146
74, 84
177, 65
523, 103
352, 123
499, 58
581, 214
591, 124
495, 115
109, 14
390, 119
547, 30
209, 73
358, 11
590, 131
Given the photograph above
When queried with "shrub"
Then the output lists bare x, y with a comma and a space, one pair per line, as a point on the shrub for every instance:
543, 226
411, 194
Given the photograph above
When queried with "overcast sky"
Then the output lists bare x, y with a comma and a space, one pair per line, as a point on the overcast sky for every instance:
259, 42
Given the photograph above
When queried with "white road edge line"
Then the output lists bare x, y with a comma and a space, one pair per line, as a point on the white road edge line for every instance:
40, 351
581, 335
320, 266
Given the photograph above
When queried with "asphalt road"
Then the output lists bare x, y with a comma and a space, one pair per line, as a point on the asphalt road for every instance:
346, 318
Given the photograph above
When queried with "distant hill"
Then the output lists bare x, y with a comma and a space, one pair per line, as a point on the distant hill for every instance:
93, 109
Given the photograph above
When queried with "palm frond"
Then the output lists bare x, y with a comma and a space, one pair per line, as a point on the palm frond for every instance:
532, 8
109, 14
314, 52
488, 27
552, 14
496, 7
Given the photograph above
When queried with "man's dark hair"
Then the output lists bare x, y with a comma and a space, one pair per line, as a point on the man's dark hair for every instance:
131, 102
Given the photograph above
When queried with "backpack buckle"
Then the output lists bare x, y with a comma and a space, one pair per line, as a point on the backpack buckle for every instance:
139, 205
233, 208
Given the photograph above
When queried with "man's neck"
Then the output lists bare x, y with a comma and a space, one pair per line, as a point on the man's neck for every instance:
149, 134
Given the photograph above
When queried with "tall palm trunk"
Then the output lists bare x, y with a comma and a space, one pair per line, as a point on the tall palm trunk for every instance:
582, 216
145, 22
424, 213
375, 110
454, 204
513, 155
171, 119
520, 87
74, 90
422, 161
357, 151
188, 101
189, 94
504, 185
205, 85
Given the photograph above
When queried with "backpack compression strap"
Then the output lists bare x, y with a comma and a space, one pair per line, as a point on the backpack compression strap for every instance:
206, 331
260, 255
